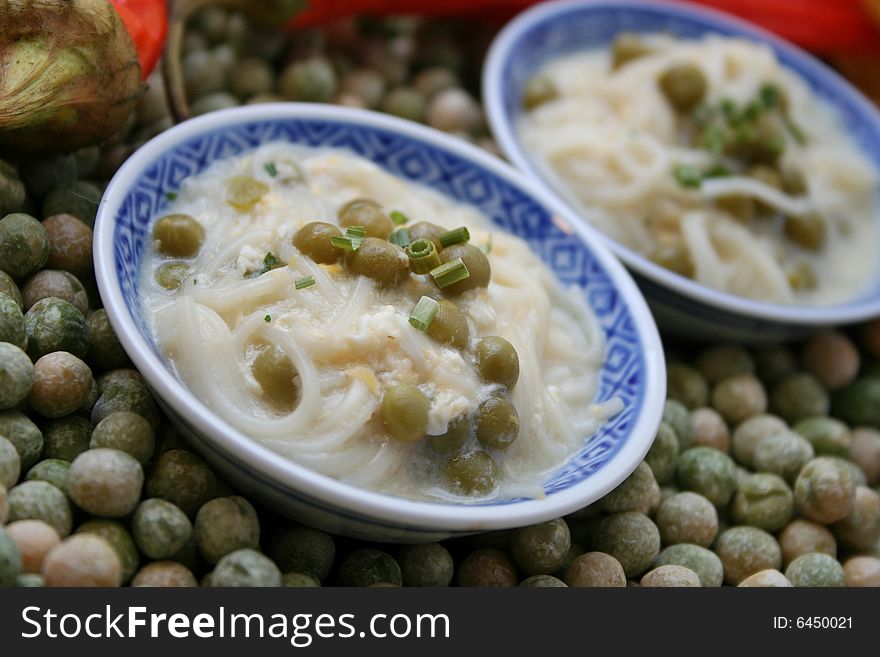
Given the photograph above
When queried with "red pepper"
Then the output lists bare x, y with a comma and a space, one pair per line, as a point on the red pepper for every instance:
147, 23
823, 26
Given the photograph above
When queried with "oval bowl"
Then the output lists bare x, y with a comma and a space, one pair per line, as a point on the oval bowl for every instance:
633, 370
680, 305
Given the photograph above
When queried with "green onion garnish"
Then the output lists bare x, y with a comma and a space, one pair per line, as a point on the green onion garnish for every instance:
423, 314
770, 95
455, 236
354, 237
270, 169
267, 318
171, 195
270, 262
423, 256
400, 237
345, 243
795, 131
687, 175
713, 139
306, 281
398, 217
450, 272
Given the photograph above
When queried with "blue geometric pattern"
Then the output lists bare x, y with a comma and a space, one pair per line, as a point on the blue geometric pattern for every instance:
624, 373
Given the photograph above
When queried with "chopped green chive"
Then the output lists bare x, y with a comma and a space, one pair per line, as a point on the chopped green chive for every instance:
354, 237
423, 314
713, 139
400, 237
267, 318
270, 169
398, 217
423, 256
344, 243
450, 272
171, 196
306, 281
795, 131
687, 175
770, 95
455, 236
717, 171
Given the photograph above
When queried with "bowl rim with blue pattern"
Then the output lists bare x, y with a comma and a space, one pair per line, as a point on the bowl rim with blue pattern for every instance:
140, 190
560, 27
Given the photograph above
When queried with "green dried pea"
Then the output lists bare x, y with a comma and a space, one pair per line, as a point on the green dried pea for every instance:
24, 246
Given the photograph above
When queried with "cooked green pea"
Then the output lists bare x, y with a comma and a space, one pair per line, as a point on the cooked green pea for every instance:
497, 422
404, 412
684, 85
456, 434
449, 326
382, 261
367, 213
244, 192
424, 230
807, 231
178, 235
497, 361
277, 377
171, 274
313, 240
538, 90
627, 47
473, 473
477, 265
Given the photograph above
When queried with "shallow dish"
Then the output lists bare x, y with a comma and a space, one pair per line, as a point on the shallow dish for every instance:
679, 304
633, 369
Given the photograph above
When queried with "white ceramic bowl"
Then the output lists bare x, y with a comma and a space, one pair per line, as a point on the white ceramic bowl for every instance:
633, 370
679, 304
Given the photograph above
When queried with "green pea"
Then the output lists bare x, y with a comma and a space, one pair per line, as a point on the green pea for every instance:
497, 361
244, 192
538, 90
404, 412
178, 235
424, 230
277, 377
170, 275
456, 434
313, 240
9, 288
379, 260
53, 324
627, 47
477, 265
449, 326
367, 213
684, 85
497, 422
24, 245
77, 197
807, 231
310, 80
473, 473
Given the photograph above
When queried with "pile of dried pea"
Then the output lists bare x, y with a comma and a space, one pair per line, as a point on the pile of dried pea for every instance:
764, 472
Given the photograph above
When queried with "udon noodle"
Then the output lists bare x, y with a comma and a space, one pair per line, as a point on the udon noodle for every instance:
348, 338
750, 186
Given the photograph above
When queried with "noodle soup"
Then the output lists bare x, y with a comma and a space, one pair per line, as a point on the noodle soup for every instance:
370, 328
712, 160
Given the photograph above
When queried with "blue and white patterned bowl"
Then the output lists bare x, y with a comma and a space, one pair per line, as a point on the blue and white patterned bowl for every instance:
679, 304
633, 370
